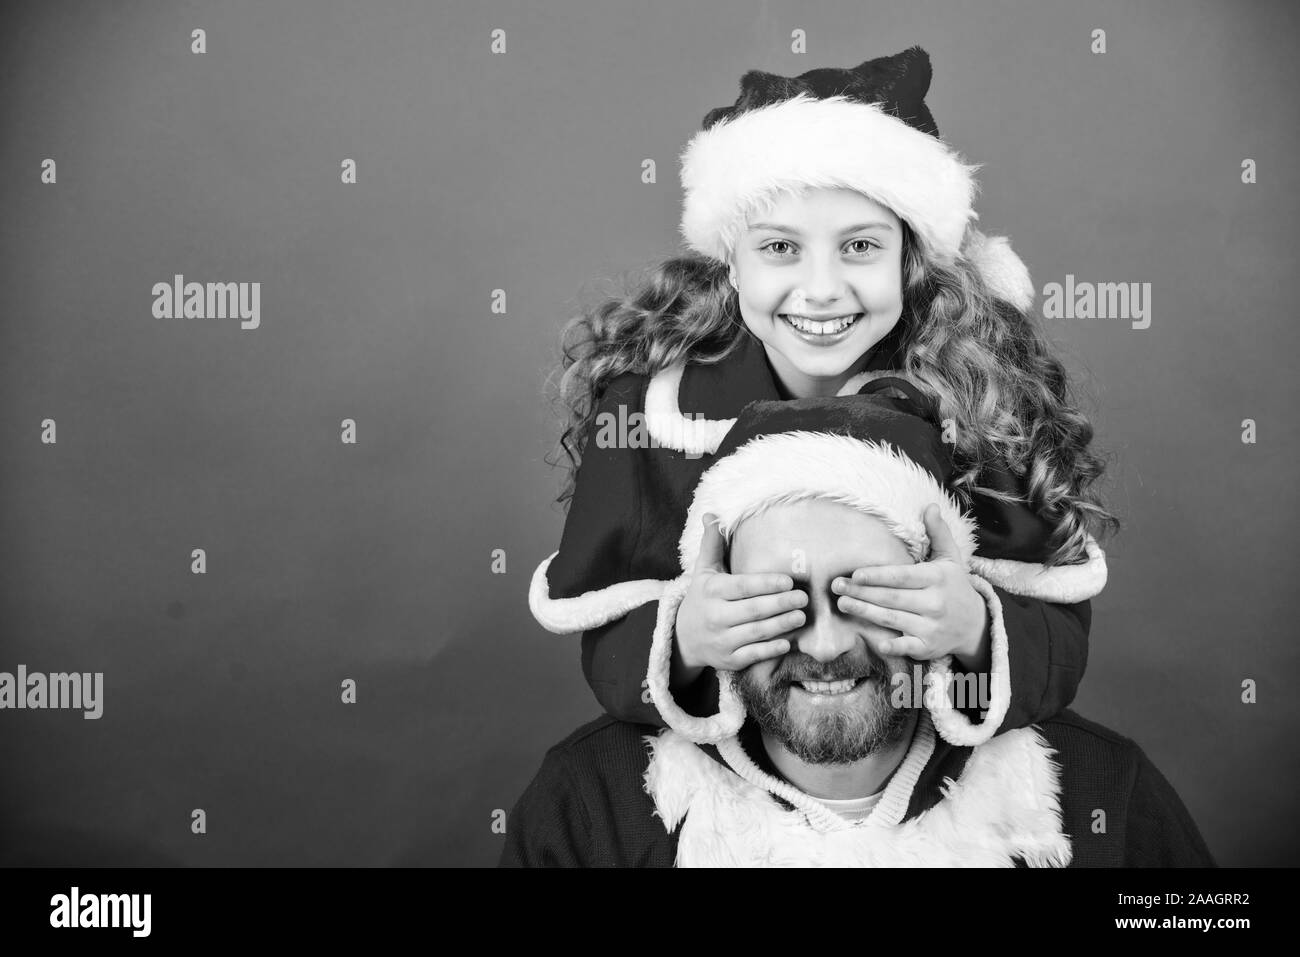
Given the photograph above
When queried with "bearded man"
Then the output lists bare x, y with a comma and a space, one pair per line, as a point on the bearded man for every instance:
813, 757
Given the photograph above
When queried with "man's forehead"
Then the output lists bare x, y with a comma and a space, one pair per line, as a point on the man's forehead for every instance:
822, 551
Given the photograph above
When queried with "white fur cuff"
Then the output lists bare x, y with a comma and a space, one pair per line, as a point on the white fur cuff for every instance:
564, 616
1061, 584
731, 711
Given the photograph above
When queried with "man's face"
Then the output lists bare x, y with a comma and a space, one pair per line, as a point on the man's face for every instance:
827, 699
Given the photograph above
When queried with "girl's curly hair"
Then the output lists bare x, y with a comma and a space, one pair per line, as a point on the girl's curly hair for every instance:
985, 363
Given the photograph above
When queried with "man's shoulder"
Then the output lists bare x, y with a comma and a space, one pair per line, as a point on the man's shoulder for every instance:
1103, 770
1098, 761
599, 732
1068, 727
587, 805
1093, 758
602, 744
601, 766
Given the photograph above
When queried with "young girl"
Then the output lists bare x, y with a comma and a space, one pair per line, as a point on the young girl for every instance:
833, 243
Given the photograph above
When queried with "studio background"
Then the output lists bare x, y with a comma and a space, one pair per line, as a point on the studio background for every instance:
522, 171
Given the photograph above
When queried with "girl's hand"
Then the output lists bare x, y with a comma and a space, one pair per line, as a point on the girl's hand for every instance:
728, 622
932, 605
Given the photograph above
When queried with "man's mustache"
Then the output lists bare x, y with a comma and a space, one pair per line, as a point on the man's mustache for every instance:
797, 666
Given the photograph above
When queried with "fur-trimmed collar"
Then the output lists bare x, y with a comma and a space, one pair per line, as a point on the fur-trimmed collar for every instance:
1003, 808
691, 406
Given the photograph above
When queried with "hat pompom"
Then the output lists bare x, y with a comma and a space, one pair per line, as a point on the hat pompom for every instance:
1005, 275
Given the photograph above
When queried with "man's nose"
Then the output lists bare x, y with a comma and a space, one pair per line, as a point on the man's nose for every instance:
828, 634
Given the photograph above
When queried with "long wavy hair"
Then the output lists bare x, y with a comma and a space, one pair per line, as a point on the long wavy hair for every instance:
984, 362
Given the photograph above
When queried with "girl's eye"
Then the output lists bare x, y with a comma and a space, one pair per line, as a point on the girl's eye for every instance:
771, 247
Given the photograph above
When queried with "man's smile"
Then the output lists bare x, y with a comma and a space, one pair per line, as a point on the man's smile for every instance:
844, 691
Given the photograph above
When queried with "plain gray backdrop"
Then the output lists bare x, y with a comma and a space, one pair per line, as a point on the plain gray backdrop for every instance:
522, 172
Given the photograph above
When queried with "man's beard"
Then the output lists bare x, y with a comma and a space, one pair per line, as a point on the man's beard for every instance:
840, 735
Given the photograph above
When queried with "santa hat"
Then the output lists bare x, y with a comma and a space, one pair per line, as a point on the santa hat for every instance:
865, 128
879, 454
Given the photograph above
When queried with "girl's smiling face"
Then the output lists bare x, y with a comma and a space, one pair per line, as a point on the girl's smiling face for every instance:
820, 283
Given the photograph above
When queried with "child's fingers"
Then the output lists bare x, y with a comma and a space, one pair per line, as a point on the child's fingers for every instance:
761, 630
746, 655
906, 646
733, 587
891, 618
918, 601
743, 610
876, 636
923, 575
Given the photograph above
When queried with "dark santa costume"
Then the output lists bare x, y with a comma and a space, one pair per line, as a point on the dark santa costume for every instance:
588, 806
703, 791
868, 129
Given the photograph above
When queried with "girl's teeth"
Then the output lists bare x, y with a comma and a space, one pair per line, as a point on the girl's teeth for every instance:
828, 687
828, 328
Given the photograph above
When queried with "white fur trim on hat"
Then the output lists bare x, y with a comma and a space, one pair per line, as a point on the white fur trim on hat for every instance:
741, 164
784, 467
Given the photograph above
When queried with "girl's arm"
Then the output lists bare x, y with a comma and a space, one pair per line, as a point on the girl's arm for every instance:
606, 577
1046, 635
614, 658
1047, 648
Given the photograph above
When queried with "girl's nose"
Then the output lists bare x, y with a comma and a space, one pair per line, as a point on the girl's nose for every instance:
823, 285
